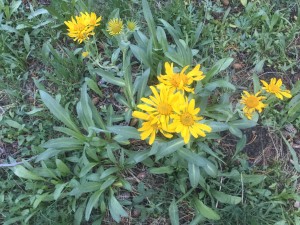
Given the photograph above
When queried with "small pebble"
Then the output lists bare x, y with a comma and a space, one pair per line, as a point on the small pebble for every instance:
141, 175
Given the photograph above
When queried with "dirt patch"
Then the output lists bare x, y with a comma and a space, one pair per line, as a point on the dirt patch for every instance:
263, 146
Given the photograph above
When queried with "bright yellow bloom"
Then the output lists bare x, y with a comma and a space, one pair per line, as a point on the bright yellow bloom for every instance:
275, 88
93, 21
131, 25
82, 26
186, 121
115, 26
180, 81
252, 103
161, 104
85, 54
150, 127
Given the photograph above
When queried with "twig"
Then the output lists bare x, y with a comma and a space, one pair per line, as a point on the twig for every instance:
16, 163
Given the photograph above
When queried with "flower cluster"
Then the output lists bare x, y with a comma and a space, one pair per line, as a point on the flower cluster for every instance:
82, 26
115, 26
168, 110
253, 102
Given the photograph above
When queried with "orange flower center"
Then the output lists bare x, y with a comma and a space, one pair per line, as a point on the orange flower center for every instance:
274, 88
252, 102
164, 108
187, 119
177, 79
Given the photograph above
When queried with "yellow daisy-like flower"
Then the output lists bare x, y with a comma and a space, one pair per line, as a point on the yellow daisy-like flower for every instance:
82, 26
275, 88
252, 103
186, 121
115, 26
85, 54
150, 127
93, 21
180, 81
160, 105
131, 25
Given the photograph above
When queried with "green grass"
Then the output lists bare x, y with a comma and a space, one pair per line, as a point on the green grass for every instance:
36, 54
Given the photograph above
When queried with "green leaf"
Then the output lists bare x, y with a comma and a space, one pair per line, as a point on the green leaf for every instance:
243, 123
109, 172
108, 77
217, 126
221, 65
162, 38
256, 83
27, 42
244, 2
71, 133
58, 189
20, 171
94, 86
48, 154
37, 12
235, 131
14, 6
91, 203
109, 181
84, 110
219, 84
125, 131
86, 169
8, 28
142, 84
240, 145
62, 167
194, 174
295, 160
141, 55
169, 147
79, 213
206, 211
161, 170
173, 213
64, 143
150, 21
115, 208
58, 111
198, 160
225, 198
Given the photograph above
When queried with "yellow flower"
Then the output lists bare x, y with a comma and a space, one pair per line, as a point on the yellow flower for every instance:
115, 26
160, 105
180, 81
82, 26
150, 127
131, 25
85, 54
252, 103
275, 88
93, 21
186, 121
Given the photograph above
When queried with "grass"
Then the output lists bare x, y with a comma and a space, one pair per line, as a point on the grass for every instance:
262, 37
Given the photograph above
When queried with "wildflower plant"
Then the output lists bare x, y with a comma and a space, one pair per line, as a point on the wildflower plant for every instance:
82, 26
178, 108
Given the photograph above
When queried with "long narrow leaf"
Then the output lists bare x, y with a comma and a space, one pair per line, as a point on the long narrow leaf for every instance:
58, 111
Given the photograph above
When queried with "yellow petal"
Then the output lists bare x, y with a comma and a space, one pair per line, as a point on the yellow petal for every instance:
140, 115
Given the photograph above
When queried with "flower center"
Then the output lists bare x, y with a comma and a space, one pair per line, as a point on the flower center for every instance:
252, 102
131, 26
187, 119
177, 79
164, 108
273, 88
116, 28
79, 27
